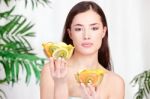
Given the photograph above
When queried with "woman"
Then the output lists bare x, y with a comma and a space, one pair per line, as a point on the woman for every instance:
85, 28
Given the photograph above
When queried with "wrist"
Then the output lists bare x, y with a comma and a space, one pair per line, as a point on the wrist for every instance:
60, 83
61, 91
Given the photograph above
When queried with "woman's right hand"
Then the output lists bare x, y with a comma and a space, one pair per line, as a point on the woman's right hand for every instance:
58, 70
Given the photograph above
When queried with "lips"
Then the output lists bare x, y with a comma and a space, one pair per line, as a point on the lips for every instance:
86, 44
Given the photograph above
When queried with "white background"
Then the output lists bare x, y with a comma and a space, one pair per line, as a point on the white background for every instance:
129, 32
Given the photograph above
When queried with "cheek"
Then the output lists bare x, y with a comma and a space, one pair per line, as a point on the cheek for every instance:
98, 40
76, 39
97, 36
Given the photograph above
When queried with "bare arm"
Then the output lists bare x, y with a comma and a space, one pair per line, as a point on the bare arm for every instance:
46, 84
53, 83
118, 88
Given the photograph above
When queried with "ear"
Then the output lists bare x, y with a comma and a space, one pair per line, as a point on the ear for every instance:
69, 32
104, 31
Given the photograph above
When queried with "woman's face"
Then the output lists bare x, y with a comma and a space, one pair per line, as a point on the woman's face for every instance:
87, 32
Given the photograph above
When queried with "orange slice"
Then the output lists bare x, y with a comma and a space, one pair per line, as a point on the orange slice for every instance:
90, 76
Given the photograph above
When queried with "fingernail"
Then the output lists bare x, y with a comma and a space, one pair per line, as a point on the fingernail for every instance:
59, 58
81, 84
63, 59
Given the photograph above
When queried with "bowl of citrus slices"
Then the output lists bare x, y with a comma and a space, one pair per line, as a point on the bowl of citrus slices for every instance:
92, 76
57, 50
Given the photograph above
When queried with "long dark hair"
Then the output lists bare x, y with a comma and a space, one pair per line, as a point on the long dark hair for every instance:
103, 53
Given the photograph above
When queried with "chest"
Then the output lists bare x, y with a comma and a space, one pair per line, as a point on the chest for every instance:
73, 85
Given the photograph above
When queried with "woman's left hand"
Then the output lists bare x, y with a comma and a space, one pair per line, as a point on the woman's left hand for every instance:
89, 92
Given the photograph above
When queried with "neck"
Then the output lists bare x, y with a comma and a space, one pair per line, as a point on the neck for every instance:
85, 61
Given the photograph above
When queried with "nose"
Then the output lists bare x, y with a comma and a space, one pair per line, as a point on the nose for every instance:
86, 35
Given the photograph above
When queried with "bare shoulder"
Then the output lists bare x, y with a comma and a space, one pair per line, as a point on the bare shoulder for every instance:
114, 78
116, 85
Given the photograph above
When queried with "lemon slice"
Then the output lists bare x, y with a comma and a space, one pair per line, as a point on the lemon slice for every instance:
58, 49
70, 49
62, 44
53, 47
61, 52
49, 48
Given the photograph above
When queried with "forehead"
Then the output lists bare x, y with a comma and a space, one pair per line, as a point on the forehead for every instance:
87, 17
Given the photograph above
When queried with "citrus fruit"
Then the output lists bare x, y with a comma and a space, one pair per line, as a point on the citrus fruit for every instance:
61, 52
70, 49
94, 76
47, 50
56, 50
62, 44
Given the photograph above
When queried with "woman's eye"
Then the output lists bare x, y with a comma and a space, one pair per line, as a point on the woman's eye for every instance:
95, 28
78, 29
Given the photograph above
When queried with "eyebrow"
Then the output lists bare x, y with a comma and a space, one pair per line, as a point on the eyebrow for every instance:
94, 24
78, 25
82, 25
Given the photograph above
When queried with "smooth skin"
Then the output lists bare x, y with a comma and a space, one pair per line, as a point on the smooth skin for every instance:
57, 76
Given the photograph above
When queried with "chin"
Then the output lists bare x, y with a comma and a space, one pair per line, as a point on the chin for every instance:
88, 52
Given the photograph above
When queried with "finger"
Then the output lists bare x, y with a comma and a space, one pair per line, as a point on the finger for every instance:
91, 89
57, 66
84, 89
51, 65
62, 64
64, 69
